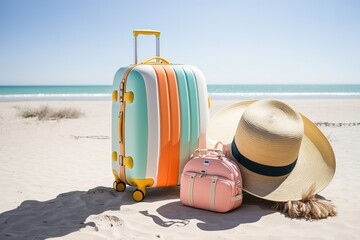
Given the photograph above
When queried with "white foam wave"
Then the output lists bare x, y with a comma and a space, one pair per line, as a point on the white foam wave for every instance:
63, 96
285, 95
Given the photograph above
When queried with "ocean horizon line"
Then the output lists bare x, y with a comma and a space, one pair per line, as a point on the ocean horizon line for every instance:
216, 91
211, 84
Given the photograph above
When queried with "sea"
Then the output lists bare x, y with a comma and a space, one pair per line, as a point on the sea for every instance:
220, 92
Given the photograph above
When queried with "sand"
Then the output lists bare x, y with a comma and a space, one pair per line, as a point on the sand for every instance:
56, 183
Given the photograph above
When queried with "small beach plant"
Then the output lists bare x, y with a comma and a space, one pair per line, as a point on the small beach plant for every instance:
48, 113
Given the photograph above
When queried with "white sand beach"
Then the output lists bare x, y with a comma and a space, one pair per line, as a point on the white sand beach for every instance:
56, 183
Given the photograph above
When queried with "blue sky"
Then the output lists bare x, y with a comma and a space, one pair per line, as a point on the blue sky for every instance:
82, 42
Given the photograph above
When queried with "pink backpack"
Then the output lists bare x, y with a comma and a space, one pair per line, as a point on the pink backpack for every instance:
211, 181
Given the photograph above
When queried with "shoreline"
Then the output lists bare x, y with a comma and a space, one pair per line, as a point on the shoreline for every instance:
213, 96
57, 182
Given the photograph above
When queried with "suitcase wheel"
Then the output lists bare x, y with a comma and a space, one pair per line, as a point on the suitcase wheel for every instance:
142, 184
119, 186
138, 195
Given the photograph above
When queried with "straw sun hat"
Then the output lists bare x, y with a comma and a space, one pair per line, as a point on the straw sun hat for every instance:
281, 153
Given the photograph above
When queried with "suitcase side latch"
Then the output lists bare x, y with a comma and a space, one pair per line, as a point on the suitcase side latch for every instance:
126, 161
125, 96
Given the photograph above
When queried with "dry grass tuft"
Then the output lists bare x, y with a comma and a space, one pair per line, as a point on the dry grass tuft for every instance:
310, 207
47, 113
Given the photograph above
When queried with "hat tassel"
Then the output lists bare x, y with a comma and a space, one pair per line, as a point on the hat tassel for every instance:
310, 207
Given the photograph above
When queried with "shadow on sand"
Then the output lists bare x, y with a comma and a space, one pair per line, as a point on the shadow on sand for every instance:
57, 217
69, 212
251, 211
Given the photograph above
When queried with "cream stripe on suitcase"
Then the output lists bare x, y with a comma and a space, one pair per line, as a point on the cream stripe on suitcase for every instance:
153, 141
203, 104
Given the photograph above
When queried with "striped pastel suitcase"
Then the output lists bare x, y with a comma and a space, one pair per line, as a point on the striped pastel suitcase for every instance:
160, 113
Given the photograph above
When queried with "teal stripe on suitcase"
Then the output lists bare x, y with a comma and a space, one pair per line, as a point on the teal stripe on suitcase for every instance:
190, 129
194, 109
136, 130
184, 115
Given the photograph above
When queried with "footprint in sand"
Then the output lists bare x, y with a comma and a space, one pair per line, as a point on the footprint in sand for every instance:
105, 221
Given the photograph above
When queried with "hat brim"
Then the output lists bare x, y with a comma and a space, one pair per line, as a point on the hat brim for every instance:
315, 166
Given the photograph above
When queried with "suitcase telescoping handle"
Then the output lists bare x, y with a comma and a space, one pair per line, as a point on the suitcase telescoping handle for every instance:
147, 32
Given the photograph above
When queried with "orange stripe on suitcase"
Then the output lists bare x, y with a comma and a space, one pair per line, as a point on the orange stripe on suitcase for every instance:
175, 126
168, 166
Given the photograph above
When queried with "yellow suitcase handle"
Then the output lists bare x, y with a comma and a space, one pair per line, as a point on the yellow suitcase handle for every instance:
162, 60
138, 32
121, 130
146, 32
